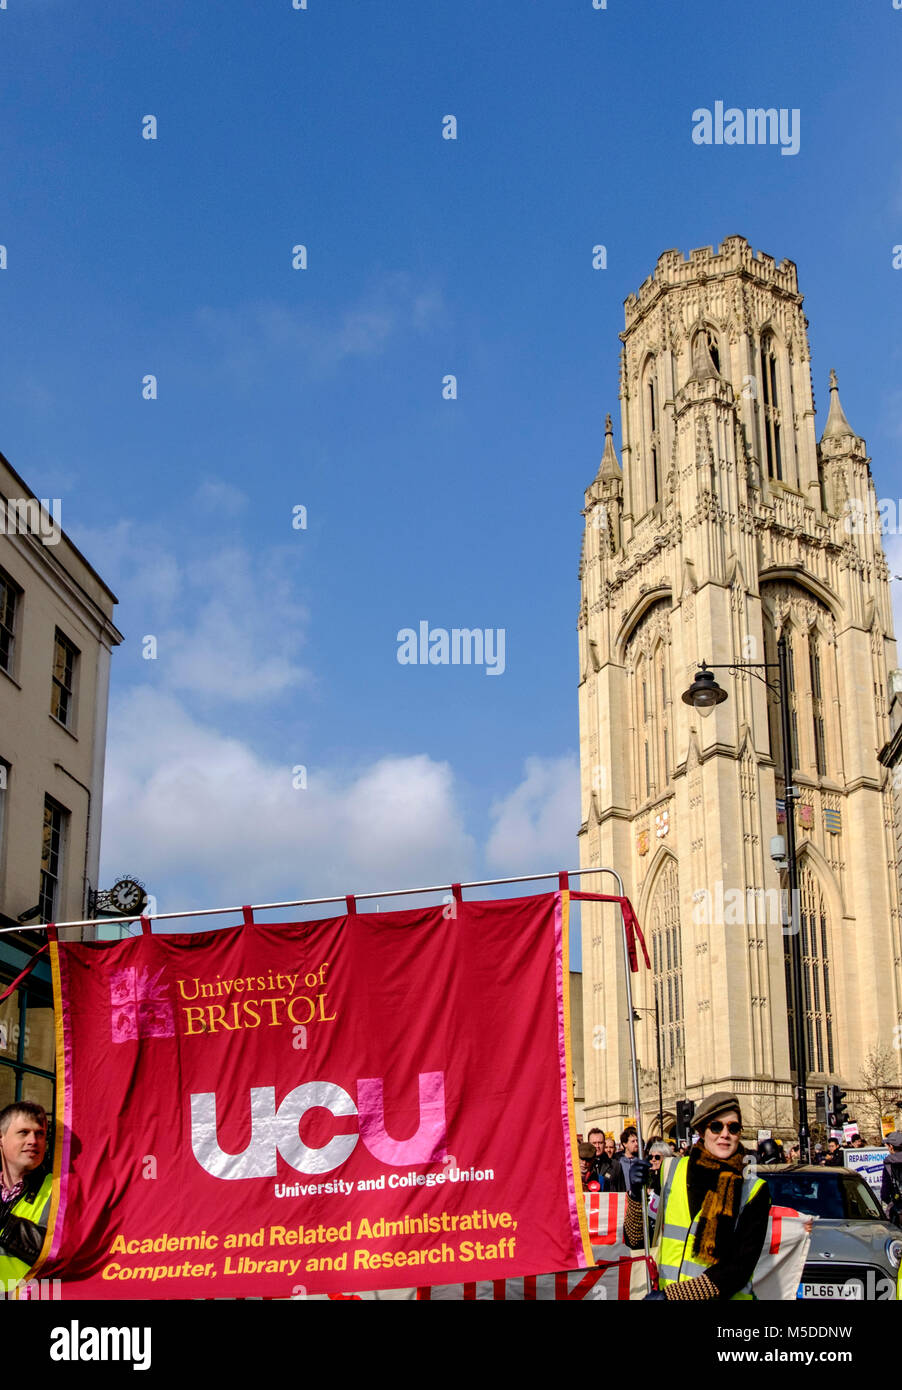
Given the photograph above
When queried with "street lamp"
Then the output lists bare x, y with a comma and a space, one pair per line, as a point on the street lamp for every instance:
636, 1012
703, 694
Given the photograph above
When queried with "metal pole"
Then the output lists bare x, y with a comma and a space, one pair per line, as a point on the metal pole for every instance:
635, 1066
306, 902
658, 1037
792, 873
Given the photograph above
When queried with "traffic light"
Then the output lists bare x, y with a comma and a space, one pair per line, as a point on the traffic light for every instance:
837, 1110
840, 1109
822, 1106
685, 1110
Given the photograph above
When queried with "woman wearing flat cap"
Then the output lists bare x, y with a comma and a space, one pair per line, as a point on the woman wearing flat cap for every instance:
712, 1216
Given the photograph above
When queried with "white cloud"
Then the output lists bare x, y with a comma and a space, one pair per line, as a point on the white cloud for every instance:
535, 825
238, 630
216, 495
228, 623
205, 821
250, 335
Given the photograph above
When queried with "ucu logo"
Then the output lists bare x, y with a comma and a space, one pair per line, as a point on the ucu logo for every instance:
277, 1130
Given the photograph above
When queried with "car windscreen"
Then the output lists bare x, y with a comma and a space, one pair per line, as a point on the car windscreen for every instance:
830, 1195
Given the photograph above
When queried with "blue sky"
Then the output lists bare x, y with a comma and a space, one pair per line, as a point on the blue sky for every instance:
322, 388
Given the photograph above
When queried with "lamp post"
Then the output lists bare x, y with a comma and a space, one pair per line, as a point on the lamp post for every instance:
703, 694
636, 1012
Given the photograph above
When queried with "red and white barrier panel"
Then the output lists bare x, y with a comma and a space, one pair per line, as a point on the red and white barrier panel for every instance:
621, 1272
617, 1266
610, 1280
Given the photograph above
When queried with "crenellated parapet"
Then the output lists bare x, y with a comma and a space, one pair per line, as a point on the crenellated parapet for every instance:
733, 258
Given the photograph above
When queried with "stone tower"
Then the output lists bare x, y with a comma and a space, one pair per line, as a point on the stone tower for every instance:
726, 525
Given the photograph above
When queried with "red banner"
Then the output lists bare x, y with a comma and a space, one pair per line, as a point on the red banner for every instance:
372, 1100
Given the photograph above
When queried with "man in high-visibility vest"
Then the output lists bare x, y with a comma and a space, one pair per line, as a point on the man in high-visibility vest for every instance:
24, 1189
712, 1216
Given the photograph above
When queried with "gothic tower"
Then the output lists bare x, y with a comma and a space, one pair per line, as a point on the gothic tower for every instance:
727, 525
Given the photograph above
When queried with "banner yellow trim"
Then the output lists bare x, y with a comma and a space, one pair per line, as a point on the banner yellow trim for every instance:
568, 1063
59, 1136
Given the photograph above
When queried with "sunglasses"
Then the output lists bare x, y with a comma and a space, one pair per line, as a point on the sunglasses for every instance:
734, 1127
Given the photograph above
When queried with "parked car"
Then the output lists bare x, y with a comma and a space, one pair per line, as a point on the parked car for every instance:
855, 1252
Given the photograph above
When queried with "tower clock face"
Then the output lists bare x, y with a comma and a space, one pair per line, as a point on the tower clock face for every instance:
126, 895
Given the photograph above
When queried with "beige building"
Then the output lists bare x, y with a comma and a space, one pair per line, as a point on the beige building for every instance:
726, 525
56, 639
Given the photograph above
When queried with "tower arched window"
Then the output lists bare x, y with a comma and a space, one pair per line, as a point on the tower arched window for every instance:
667, 961
815, 750
770, 407
655, 713
646, 724
662, 705
713, 347
817, 704
651, 422
817, 997
647, 658
791, 696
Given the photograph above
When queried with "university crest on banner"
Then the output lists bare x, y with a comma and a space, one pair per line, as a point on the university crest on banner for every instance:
316, 1107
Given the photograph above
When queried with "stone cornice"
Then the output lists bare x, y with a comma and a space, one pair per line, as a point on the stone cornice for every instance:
615, 813
716, 750
870, 784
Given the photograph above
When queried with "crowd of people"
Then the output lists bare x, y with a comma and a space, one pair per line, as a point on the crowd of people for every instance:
711, 1214
604, 1162
714, 1206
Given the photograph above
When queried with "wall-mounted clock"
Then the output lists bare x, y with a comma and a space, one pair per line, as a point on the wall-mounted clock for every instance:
127, 896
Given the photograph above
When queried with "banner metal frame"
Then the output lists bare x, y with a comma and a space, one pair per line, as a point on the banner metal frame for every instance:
400, 893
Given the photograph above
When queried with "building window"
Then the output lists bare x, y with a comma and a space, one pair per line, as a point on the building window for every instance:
26, 1044
663, 721
816, 994
770, 407
793, 705
65, 656
817, 707
652, 441
645, 713
667, 964
9, 600
812, 750
713, 348
646, 659
52, 848
651, 709
655, 474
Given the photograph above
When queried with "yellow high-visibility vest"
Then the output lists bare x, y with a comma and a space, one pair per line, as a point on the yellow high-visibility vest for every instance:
36, 1209
675, 1231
